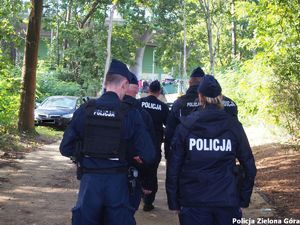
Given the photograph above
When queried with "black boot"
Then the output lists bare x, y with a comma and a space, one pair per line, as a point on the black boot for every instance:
148, 207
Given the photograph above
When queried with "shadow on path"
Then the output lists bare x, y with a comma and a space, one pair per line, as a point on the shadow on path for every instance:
41, 190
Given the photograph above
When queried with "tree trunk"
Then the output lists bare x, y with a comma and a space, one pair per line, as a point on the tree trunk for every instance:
108, 48
68, 19
233, 29
26, 112
210, 41
67, 22
57, 36
139, 54
206, 8
189, 49
89, 14
13, 52
184, 41
138, 64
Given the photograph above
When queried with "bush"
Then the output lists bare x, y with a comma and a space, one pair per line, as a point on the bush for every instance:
48, 85
249, 86
9, 96
266, 90
286, 88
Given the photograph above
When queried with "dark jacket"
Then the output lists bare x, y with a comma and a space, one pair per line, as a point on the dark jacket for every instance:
145, 115
159, 113
133, 129
134, 103
201, 165
144, 175
175, 114
185, 105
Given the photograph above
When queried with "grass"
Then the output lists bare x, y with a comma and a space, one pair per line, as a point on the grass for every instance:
48, 132
14, 142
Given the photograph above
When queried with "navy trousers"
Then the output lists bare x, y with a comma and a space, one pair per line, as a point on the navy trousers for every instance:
209, 215
103, 199
150, 181
135, 196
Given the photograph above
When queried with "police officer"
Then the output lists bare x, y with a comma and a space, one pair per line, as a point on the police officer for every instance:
104, 127
201, 181
142, 180
159, 113
130, 98
188, 103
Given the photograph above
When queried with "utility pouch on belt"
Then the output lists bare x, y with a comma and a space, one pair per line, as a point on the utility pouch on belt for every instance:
133, 174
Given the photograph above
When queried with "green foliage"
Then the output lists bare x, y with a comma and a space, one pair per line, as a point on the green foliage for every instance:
276, 41
286, 90
9, 95
249, 86
170, 40
77, 52
159, 18
10, 19
49, 84
263, 77
9, 75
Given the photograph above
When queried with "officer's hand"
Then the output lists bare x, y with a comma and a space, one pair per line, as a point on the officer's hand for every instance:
138, 159
146, 192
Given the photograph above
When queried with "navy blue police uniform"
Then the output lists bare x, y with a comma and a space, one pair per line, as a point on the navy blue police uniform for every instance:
201, 177
188, 103
159, 112
141, 180
103, 128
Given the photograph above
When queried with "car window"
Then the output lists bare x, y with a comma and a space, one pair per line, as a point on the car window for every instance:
79, 102
59, 102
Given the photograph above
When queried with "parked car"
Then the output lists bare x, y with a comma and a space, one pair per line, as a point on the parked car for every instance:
56, 110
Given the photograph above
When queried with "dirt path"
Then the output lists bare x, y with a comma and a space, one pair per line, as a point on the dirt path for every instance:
41, 189
38, 190
162, 216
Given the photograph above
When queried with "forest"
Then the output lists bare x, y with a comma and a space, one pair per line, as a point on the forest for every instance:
251, 46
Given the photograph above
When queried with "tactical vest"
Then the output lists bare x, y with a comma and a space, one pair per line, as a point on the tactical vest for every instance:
189, 103
103, 127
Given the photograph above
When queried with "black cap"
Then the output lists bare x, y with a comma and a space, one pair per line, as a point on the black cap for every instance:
209, 87
198, 72
155, 86
118, 67
133, 79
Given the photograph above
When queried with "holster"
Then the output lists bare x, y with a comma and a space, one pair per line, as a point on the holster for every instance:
79, 171
77, 158
132, 179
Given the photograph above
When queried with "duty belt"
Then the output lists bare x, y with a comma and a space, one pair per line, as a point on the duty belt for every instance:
104, 170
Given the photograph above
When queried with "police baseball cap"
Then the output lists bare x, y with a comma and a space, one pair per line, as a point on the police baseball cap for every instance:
118, 67
209, 87
155, 86
133, 79
198, 72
